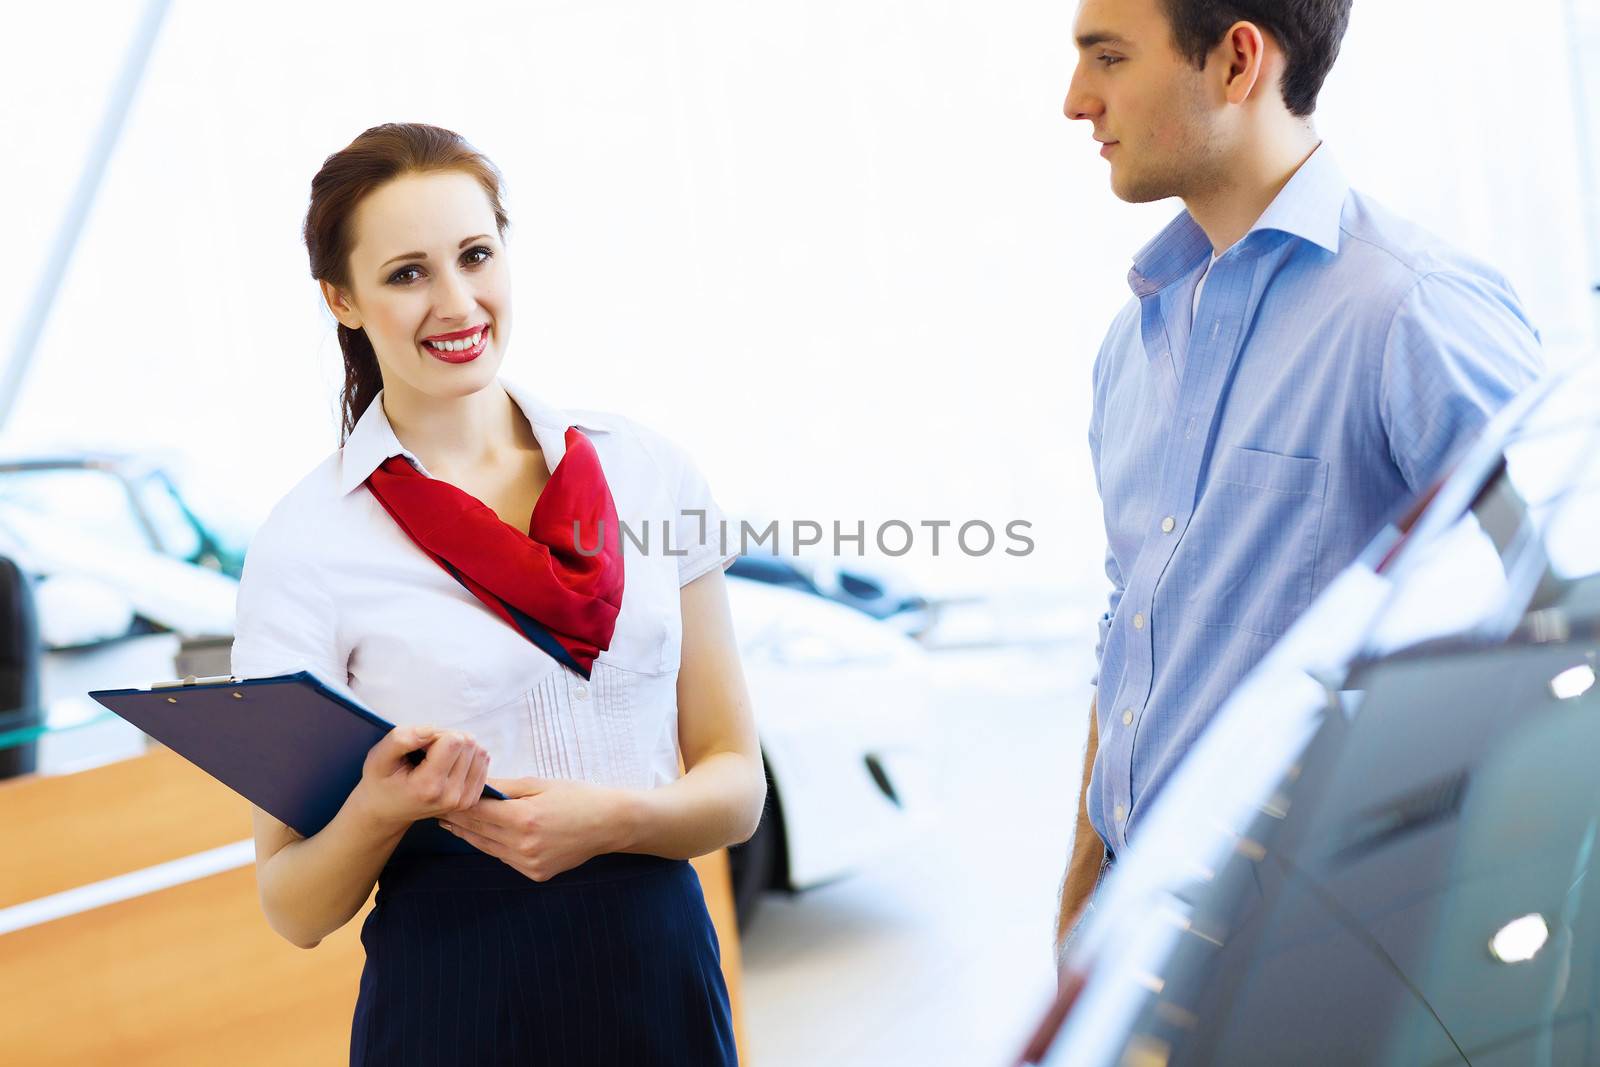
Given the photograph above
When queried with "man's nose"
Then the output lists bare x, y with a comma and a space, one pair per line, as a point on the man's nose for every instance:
1080, 103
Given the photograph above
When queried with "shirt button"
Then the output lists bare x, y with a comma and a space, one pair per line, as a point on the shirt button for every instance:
1127, 717
1138, 620
1168, 524
1119, 812
583, 692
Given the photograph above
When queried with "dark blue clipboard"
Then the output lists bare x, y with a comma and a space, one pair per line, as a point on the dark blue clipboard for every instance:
291, 744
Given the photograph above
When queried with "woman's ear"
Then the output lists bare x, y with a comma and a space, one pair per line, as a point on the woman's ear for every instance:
339, 303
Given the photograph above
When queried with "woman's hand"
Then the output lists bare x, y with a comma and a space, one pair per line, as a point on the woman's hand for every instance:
449, 779
547, 826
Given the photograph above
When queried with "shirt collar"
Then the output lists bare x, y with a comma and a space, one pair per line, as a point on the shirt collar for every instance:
373, 440
1310, 207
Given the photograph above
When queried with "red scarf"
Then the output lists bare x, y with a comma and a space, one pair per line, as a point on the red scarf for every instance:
559, 585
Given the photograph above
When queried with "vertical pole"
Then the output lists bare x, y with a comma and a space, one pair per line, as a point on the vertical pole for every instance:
1583, 40
37, 310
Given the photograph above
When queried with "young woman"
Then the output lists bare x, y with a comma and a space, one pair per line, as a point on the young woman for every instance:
458, 565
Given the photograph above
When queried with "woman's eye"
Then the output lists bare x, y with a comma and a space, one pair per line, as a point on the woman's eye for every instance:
469, 254
399, 276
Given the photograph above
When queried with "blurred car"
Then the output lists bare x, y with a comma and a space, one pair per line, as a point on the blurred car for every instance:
841, 699
104, 611
125, 499
1380, 851
842, 705
873, 591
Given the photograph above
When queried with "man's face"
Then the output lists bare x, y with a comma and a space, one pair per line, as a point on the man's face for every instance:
1148, 104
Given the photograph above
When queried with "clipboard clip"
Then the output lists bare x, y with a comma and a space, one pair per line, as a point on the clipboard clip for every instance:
188, 680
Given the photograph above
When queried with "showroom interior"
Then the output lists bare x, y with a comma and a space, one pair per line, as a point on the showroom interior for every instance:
854, 260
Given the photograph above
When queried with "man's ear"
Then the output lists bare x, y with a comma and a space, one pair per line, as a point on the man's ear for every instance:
1244, 55
339, 303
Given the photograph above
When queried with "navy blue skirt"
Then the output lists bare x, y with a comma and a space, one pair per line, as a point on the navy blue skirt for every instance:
472, 962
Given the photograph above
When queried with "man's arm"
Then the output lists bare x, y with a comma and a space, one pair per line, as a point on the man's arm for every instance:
1458, 347
1088, 851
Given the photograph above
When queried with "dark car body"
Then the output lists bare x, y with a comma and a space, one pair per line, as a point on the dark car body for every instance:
1386, 848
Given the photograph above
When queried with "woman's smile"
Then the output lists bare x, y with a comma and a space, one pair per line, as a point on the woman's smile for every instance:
462, 346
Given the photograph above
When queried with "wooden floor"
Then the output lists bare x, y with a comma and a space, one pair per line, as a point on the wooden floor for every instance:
191, 973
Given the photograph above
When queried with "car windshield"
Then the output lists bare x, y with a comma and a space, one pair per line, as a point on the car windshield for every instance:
174, 531
1311, 771
93, 502
1419, 895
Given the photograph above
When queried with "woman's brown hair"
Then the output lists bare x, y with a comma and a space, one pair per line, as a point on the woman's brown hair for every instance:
375, 158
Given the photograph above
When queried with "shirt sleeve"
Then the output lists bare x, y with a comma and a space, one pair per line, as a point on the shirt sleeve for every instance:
1459, 347
701, 539
701, 526
286, 619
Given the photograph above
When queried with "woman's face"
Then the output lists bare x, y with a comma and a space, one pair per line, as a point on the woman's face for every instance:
429, 283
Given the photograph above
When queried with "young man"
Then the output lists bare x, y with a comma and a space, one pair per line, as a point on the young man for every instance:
1295, 364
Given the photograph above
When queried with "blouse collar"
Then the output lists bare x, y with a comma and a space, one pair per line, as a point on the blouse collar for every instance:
373, 440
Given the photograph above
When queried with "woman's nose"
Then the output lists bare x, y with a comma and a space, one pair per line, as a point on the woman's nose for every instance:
452, 299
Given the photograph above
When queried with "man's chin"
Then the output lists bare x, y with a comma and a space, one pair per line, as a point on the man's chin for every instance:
1133, 189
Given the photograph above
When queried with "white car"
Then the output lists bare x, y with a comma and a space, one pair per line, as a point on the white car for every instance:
842, 705
841, 699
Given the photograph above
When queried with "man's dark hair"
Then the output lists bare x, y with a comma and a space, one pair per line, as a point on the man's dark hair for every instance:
1308, 31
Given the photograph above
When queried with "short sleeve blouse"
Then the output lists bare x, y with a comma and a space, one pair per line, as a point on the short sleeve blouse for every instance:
331, 584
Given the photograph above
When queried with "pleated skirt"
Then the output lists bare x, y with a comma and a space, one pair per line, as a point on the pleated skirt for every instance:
471, 962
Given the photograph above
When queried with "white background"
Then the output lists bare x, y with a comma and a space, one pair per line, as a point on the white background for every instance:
848, 252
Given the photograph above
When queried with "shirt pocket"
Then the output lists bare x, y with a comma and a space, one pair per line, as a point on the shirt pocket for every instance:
1260, 520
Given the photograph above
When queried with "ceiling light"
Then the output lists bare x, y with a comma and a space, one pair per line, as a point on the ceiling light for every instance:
1520, 939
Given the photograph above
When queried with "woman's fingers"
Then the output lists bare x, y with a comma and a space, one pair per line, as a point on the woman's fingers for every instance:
453, 770
464, 823
460, 771
394, 746
480, 776
438, 775
473, 767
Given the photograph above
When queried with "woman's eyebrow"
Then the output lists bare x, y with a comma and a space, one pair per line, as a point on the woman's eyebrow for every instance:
465, 241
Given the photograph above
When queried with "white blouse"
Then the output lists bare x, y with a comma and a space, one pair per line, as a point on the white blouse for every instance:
333, 585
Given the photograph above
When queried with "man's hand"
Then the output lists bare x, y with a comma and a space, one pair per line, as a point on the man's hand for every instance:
546, 826
1088, 851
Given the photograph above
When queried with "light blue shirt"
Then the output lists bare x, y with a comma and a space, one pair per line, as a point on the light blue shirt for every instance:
1249, 444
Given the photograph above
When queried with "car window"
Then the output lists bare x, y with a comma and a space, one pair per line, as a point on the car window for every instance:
1458, 584
92, 502
174, 531
1482, 573
1425, 898
1573, 538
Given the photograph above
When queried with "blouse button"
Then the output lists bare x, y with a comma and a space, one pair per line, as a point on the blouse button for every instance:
583, 692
